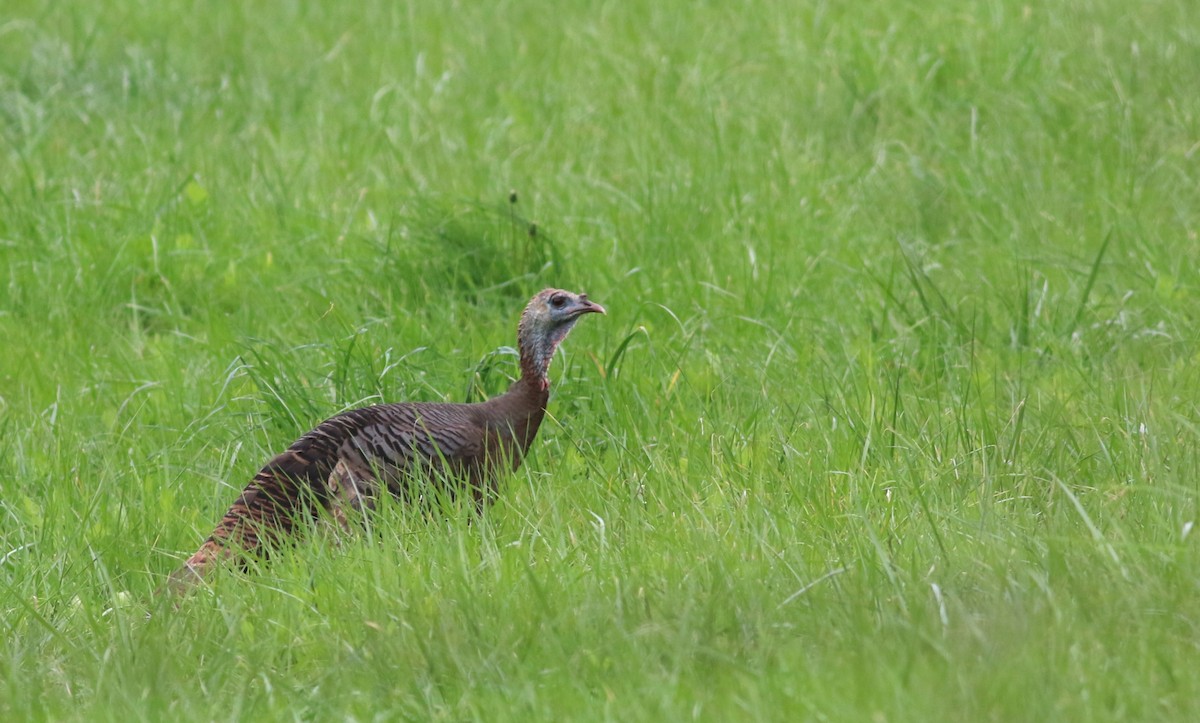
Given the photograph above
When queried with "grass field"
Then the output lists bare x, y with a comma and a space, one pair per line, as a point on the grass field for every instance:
895, 415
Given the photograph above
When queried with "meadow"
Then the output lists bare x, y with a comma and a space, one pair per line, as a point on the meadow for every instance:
894, 416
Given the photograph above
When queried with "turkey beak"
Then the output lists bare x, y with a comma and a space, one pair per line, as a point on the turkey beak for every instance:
588, 307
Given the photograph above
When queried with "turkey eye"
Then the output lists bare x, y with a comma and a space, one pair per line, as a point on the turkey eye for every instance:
558, 301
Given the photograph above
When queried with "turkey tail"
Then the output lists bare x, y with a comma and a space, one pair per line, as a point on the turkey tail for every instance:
288, 489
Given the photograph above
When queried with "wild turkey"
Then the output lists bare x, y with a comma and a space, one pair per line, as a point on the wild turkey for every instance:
343, 463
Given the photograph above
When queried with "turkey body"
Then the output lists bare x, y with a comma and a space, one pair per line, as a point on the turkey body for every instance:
347, 461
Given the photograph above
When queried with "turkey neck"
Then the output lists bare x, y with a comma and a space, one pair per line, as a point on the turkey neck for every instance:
524, 404
536, 347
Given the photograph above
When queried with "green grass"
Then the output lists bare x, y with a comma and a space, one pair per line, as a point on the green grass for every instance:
895, 414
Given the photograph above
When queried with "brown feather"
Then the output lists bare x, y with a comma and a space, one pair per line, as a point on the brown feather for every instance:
348, 460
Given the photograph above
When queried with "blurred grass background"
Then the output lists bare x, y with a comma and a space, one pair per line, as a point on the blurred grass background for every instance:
894, 414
